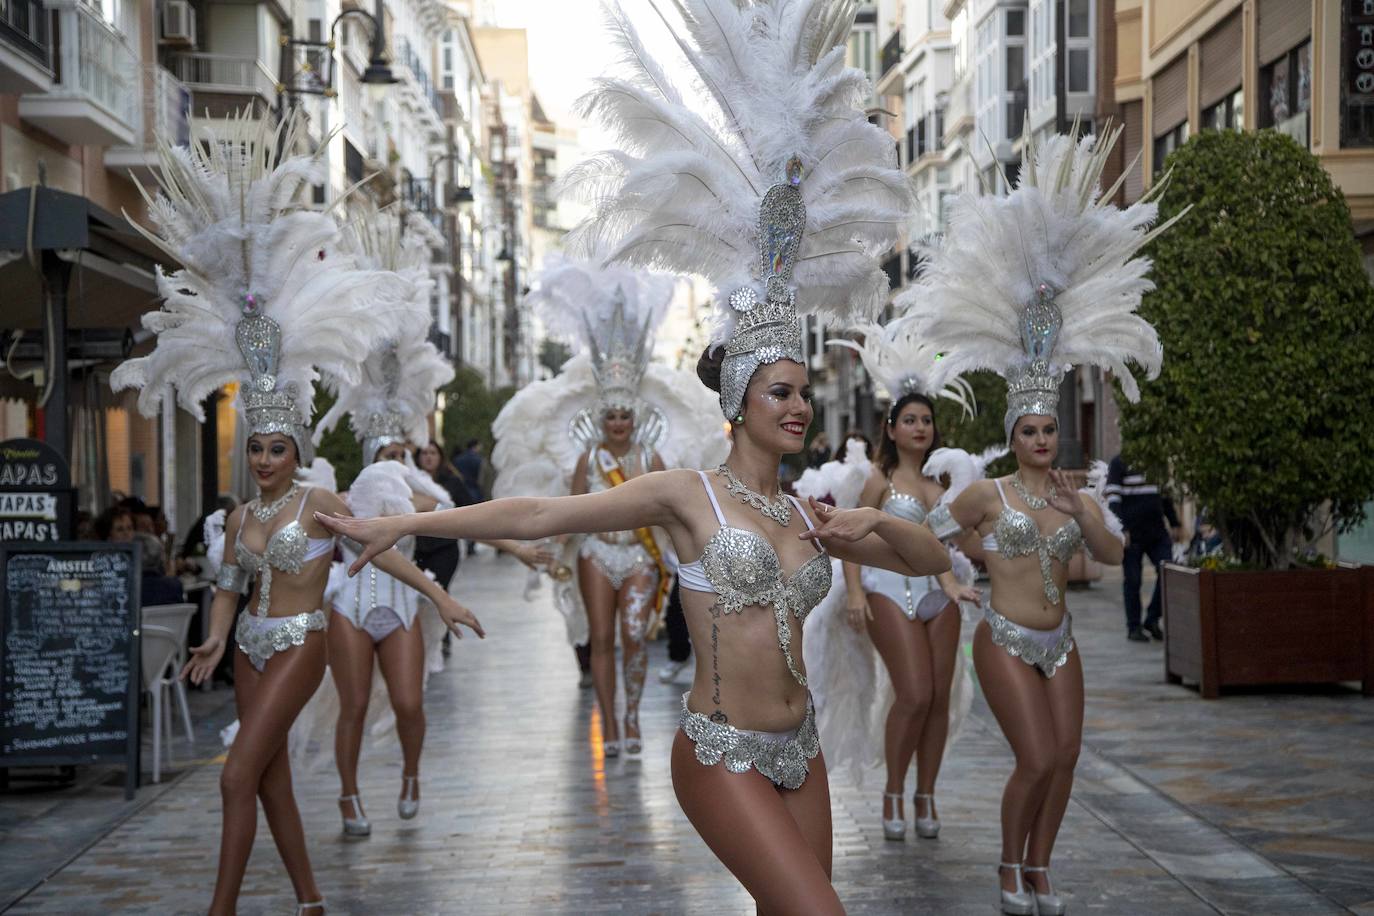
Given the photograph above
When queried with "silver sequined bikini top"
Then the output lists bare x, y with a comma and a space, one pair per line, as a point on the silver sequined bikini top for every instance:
743, 569
288, 549
904, 505
1017, 535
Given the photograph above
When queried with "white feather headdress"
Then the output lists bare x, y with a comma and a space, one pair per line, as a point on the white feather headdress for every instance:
612, 311
764, 176
902, 364
266, 295
1040, 280
391, 400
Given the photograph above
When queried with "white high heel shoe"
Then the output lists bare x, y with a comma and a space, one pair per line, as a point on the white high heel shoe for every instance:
406, 806
1019, 902
894, 829
1050, 903
927, 827
356, 826
310, 905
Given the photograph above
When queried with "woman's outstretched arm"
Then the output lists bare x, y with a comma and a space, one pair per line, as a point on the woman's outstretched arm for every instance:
640, 502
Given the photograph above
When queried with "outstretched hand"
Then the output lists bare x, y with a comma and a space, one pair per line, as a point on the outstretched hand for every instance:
453, 614
834, 524
374, 535
204, 659
1064, 495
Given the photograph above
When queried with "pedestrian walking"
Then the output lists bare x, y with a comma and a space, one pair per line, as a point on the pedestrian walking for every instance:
1143, 511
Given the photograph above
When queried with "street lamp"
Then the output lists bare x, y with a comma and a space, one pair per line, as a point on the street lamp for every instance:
377, 73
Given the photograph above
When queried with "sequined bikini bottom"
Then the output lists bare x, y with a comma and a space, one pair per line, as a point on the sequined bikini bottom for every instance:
1047, 650
920, 597
784, 757
617, 562
260, 638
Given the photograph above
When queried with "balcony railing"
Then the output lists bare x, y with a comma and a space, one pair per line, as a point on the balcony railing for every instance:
892, 53
24, 26
407, 56
169, 108
106, 68
226, 73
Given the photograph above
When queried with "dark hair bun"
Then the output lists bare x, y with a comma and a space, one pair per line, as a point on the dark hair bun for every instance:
708, 368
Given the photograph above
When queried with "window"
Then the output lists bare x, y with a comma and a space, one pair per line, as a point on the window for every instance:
1228, 114
1016, 67
1080, 19
1285, 93
1078, 70
1167, 143
1016, 23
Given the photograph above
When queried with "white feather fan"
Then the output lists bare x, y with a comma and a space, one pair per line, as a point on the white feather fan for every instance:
229, 213
766, 81
1056, 232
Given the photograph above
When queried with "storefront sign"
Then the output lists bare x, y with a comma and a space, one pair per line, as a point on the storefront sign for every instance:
35, 493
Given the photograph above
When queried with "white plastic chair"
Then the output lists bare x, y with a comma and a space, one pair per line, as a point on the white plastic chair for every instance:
159, 650
176, 620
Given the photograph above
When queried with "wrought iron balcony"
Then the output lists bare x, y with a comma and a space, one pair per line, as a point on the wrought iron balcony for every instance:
892, 53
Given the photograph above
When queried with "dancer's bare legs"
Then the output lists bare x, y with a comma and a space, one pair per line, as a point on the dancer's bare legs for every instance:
350, 663
600, 600
258, 767
904, 647
942, 634
775, 841
636, 605
402, 657
1042, 719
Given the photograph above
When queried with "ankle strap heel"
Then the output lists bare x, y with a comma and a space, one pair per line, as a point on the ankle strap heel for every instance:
1018, 902
894, 828
926, 827
1048, 903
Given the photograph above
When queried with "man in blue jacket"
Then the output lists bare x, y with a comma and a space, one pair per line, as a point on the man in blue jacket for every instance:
1143, 511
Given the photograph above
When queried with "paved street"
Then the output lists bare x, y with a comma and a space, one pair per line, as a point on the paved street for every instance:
1260, 802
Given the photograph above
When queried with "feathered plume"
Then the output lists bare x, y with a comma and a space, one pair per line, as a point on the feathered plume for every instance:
961, 467
900, 364
576, 299
228, 212
840, 482
766, 83
1047, 274
394, 393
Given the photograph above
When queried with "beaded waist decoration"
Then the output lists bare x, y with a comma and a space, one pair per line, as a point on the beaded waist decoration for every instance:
783, 757
1047, 650
262, 637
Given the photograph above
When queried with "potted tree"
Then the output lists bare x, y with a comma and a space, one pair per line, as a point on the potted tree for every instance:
1263, 413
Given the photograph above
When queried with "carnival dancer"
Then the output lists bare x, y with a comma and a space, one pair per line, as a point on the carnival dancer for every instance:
265, 297
914, 624
629, 416
780, 191
388, 408
1029, 285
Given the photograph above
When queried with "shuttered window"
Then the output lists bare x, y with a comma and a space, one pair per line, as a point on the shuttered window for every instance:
1221, 61
1133, 132
1170, 88
1283, 25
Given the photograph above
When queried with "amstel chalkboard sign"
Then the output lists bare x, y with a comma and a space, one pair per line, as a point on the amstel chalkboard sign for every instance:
69, 655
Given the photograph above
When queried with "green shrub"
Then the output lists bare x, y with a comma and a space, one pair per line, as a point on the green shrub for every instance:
1264, 410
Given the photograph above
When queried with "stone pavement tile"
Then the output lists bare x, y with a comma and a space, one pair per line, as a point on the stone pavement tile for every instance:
521, 814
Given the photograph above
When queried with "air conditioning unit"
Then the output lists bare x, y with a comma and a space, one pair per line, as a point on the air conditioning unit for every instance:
178, 23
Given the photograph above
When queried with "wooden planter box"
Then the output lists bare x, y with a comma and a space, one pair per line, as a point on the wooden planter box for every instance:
1302, 626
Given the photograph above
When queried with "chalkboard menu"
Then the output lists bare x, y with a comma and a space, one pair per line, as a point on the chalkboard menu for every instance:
35, 493
69, 655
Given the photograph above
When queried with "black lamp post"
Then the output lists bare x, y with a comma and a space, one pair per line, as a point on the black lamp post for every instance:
377, 73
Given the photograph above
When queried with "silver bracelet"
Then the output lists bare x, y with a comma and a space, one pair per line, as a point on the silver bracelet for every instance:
233, 578
941, 521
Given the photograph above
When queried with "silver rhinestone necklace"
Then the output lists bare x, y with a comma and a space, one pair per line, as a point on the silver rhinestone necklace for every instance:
779, 508
265, 513
1035, 502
